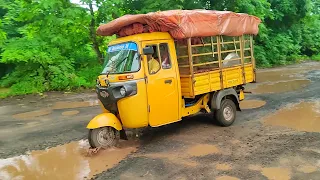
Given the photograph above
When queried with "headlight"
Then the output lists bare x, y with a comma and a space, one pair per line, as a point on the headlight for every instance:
123, 91
98, 82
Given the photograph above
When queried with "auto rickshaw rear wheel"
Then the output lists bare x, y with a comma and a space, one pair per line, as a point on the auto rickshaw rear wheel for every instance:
103, 137
226, 115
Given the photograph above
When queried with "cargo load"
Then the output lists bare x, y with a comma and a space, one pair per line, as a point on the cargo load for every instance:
183, 24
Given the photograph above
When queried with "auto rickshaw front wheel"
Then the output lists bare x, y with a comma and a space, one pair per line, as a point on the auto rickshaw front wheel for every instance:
103, 137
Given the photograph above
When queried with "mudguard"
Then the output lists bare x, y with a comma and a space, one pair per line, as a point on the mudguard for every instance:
217, 97
103, 120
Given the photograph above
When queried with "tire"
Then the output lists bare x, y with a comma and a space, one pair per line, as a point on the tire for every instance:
226, 115
104, 137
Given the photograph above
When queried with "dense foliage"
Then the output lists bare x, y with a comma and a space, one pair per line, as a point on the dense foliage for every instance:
51, 44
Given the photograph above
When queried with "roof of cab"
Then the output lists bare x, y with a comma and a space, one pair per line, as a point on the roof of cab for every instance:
142, 37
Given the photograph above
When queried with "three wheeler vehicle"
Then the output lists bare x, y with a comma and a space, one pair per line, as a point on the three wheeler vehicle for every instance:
157, 76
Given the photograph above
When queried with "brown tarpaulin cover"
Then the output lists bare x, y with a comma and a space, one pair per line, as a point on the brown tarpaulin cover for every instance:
184, 24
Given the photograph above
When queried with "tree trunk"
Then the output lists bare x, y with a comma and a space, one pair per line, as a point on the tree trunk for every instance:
93, 34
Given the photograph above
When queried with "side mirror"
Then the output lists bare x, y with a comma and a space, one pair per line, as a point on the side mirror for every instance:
148, 50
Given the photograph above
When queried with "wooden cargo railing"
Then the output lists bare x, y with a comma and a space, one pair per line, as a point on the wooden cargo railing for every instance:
217, 52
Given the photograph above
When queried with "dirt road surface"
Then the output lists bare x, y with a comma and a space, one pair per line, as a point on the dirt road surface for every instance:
276, 136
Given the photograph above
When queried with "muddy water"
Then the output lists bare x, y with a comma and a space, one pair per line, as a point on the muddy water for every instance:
70, 105
58, 105
32, 114
251, 104
280, 87
226, 178
276, 173
69, 113
68, 161
307, 169
202, 150
304, 116
223, 167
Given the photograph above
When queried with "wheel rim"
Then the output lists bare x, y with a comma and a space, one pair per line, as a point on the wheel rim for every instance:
106, 137
228, 113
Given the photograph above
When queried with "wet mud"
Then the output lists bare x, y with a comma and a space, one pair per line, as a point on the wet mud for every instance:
69, 161
304, 116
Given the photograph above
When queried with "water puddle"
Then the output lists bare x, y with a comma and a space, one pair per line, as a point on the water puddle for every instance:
304, 116
32, 114
251, 104
69, 113
57, 106
307, 169
276, 173
202, 150
70, 105
69, 161
223, 167
282, 86
226, 178
276, 75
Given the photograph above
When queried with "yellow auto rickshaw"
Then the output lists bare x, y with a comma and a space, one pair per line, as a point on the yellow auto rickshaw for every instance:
152, 79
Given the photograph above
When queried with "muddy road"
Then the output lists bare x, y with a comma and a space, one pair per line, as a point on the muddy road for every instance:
276, 136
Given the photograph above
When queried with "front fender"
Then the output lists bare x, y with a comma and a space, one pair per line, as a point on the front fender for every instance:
103, 120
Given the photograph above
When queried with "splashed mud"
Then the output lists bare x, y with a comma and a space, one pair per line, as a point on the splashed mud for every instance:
223, 167
68, 161
282, 86
69, 113
304, 116
226, 178
276, 173
70, 105
251, 104
307, 169
32, 114
202, 150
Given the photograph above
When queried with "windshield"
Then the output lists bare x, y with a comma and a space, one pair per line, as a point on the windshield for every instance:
122, 58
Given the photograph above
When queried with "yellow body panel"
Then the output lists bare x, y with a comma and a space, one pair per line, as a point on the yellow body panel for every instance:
201, 104
210, 81
163, 98
103, 120
133, 110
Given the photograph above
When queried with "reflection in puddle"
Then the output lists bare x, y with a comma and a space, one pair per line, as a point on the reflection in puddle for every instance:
283, 86
226, 178
304, 116
70, 105
70, 113
68, 161
32, 114
251, 104
202, 150
275, 173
